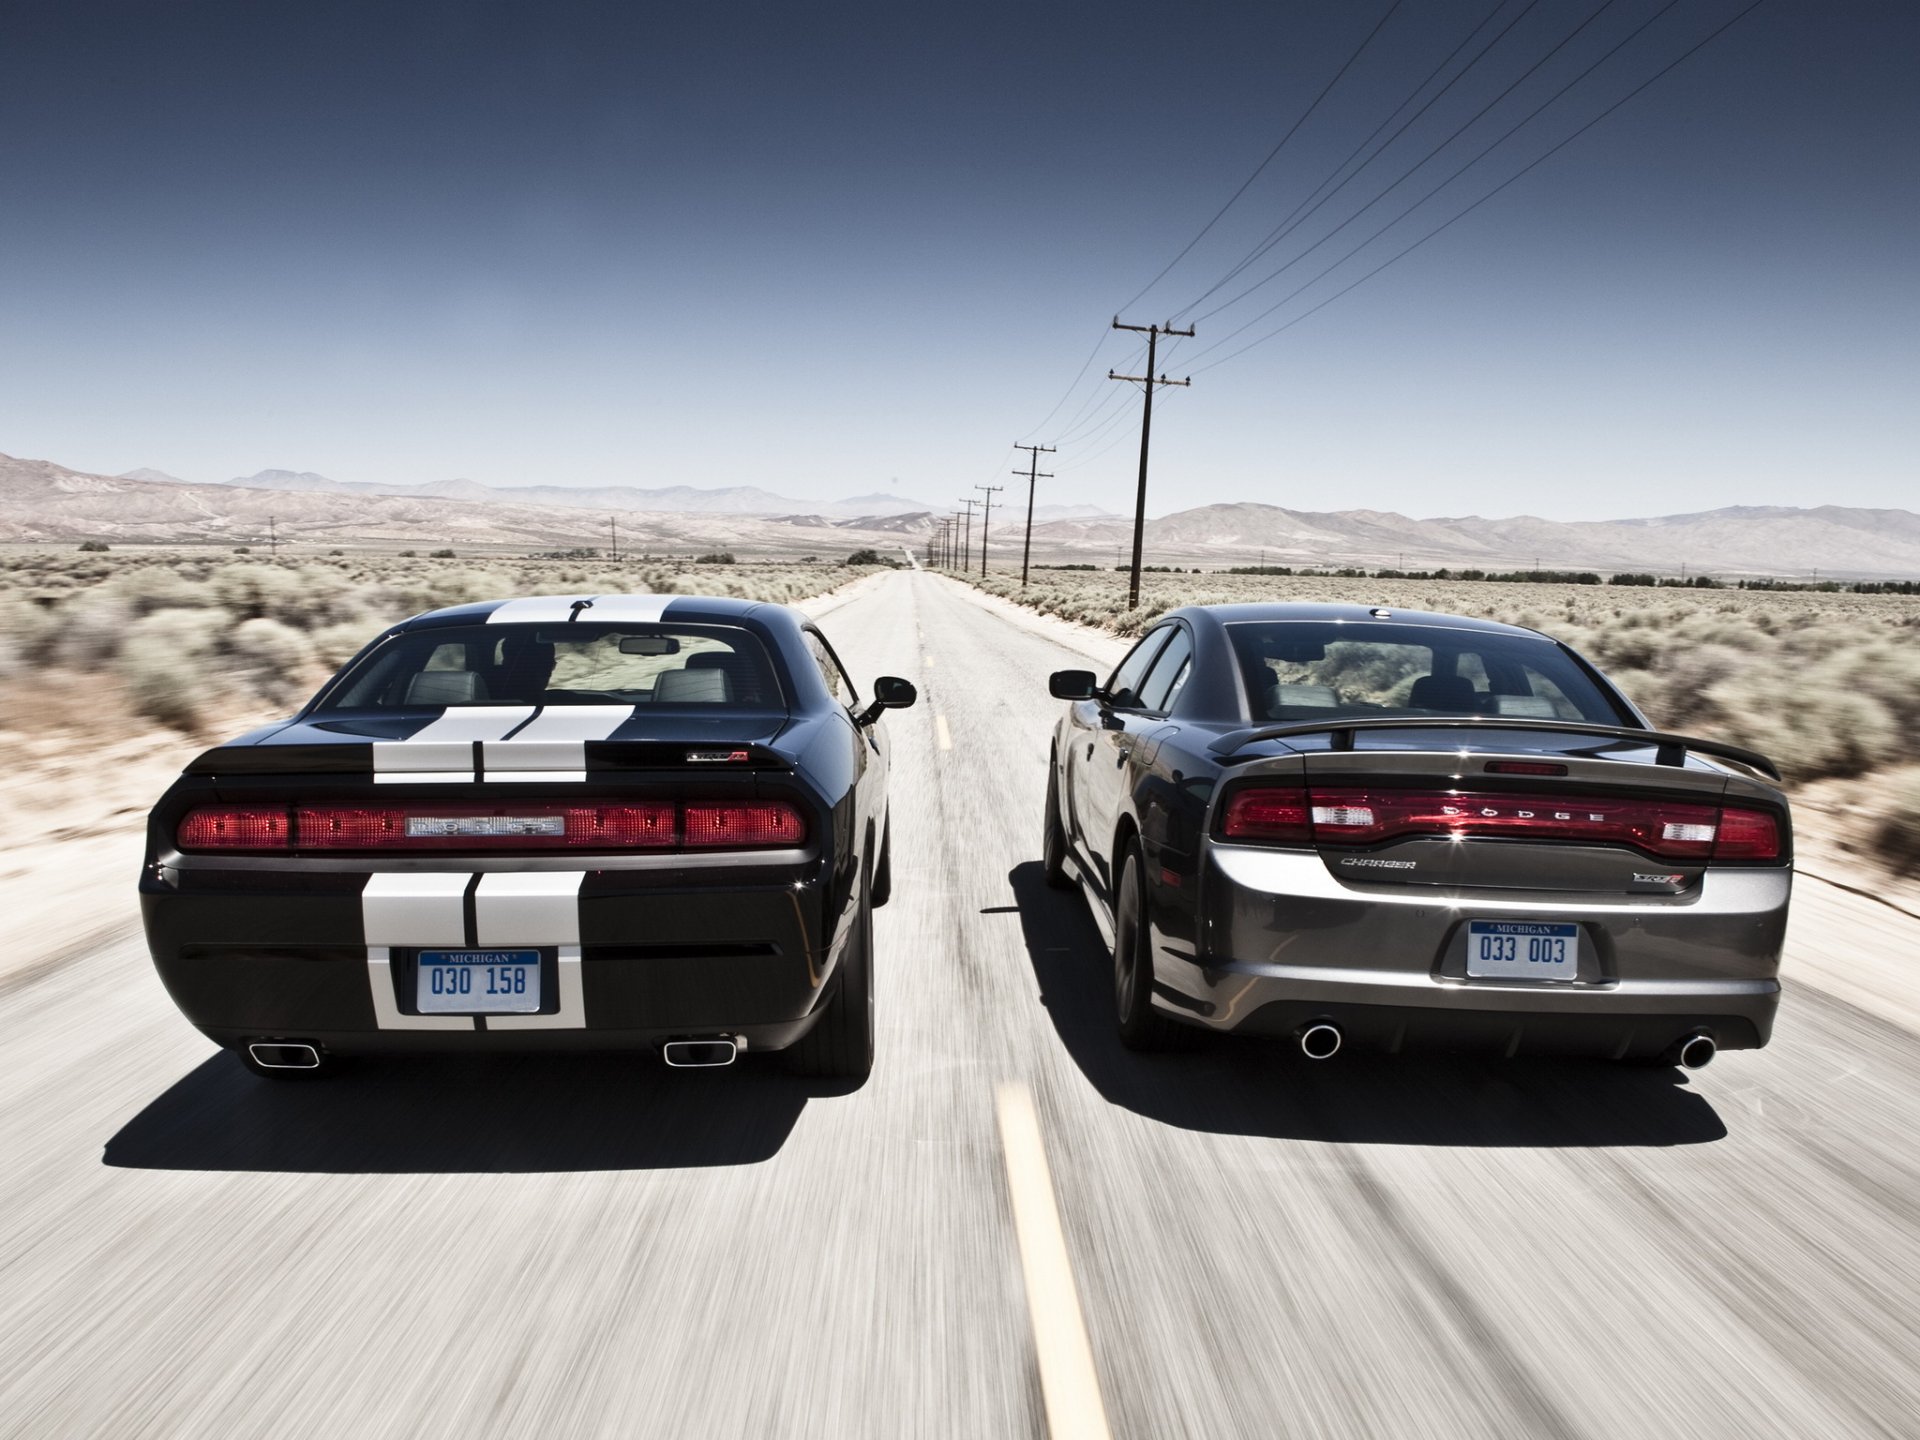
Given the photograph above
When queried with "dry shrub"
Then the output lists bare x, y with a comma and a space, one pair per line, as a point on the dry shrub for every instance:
163, 662
1899, 831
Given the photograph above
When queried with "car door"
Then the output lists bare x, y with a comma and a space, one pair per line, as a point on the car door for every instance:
1105, 729
869, 754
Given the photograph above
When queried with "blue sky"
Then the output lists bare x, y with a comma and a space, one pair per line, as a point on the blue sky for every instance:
854, 247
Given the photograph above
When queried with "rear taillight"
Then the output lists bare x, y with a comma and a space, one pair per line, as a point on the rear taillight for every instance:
1747, 835
1270, 813
523, 827
652, 825
1672, 830
234, 827
761, 824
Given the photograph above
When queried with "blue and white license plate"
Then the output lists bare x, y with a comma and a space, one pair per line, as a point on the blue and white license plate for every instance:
1522, 950
478, 982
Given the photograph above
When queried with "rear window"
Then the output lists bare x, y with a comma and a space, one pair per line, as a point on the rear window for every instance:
571, 664
1301, 670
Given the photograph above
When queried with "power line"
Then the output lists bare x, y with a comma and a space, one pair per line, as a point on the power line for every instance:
1605, 5
1468, 210
1271, 154
1295, 219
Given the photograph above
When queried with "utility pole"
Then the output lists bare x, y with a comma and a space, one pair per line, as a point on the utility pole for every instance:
966, 538
1033, 474
986, 514
613, 525
1146, 382
273, 539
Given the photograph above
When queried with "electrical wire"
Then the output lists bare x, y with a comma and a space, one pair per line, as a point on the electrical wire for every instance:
1605, 5
1326, 90
1295, 218
1524, 170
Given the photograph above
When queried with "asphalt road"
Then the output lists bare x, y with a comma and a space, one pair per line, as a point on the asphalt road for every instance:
1258, 1247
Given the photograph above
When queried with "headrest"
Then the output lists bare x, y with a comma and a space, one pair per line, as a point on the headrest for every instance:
1443, 692
692, 687
445, 687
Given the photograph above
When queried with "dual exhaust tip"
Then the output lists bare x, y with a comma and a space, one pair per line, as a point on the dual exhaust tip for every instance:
700, 1054
1321, 1040
284, 1055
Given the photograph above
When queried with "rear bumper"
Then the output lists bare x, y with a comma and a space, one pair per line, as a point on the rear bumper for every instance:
1286, 942
629, 957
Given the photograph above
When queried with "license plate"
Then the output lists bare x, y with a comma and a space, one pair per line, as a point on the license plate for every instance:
1522, 950
478, 982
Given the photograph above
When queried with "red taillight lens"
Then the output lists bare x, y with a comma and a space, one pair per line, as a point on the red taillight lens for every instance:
651, 825
716, 826
1675, 831
1747, 835
1671, 830
229, 827
1268, 813
519, 827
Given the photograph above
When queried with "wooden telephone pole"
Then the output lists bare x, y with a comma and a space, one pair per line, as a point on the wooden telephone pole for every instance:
966, 538
1033, 474
986, 514
1146, 382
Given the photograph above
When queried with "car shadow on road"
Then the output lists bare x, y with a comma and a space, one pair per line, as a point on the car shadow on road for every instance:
477, 1115
1255, 1086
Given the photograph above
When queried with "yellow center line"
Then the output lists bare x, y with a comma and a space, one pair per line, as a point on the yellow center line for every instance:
929, 662
941, 732
1068, 1383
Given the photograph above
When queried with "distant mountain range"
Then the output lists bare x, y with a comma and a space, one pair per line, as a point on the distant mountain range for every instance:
44, 502
671, 499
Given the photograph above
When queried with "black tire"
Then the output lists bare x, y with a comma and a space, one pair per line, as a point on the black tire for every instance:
1053, 851
329, 1066
1141, 1026
840, 1045
883, 870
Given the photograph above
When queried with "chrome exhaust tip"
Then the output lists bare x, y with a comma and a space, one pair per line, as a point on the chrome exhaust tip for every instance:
284, 1055
1697, 1051
1320, 1041
699, 1054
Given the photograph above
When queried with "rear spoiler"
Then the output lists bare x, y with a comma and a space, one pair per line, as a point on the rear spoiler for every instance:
1672, 748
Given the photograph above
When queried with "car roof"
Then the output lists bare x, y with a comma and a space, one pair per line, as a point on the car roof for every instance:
1282, 610
646, 609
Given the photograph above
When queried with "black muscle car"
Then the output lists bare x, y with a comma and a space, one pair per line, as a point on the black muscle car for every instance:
568, 822
1339, 823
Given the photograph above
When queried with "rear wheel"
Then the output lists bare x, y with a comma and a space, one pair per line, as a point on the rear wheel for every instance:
1053, 852
1141, 1026
840, 1045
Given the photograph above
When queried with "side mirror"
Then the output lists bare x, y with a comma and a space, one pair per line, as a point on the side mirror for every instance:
1073, 684
890, 692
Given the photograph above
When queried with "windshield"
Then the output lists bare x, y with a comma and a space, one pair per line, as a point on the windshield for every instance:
1298, 670
571, 664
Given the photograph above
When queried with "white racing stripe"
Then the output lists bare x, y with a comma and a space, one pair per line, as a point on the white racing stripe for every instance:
629, 609
442, 749
527, 907
410, 910
423, 909
536, 610
536, 907
554, 746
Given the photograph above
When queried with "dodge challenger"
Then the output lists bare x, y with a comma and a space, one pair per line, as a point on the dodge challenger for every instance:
551, 823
